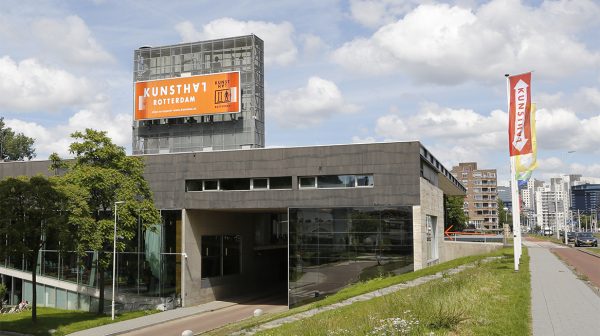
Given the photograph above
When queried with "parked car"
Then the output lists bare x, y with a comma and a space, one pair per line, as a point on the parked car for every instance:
571, 237
586, 239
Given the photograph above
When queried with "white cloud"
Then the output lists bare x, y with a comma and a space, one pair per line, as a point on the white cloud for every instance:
57, 139
357, 139
308, 106
71, 39
557, 128
31, 86
446, 44
313, 45
445, 124
375, 13
562, 129
278, 37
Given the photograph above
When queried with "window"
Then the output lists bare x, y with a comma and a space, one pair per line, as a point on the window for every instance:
193, 185
364, 180
307, 182
235, 184
211, 185
239, 184
221, 255
260, 183
211, 256
432, 237
284, 182
336, 181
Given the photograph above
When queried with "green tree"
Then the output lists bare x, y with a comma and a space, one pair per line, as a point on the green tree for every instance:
14, 146
107, 175
504, 217
455, 214
33, 208
2, 293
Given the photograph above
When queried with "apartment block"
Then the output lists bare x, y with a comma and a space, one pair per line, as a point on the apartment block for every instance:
481, 202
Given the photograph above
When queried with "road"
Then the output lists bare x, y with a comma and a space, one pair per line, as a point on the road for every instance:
584, 264
215, 319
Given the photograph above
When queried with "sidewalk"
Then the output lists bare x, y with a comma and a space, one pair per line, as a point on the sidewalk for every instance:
562, 304
154, 319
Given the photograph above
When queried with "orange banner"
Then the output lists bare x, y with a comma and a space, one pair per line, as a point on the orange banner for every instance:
519, 114
187, 96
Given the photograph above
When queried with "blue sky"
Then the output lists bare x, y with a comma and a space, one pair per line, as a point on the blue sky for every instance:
336, 71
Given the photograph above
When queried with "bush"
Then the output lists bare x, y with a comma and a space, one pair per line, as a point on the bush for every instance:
2, 293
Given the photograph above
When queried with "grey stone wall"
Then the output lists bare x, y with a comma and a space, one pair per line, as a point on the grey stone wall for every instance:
395, 167
432, 204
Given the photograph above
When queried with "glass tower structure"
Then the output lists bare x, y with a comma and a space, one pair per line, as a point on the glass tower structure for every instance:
241, 130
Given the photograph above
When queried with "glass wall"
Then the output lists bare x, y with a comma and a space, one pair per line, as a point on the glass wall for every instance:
149, 267
330, 248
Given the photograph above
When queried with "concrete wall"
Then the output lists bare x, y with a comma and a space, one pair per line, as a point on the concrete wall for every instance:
454, 250
395, 167
432, 204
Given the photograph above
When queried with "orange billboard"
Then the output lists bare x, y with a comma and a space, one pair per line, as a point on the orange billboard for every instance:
187, 96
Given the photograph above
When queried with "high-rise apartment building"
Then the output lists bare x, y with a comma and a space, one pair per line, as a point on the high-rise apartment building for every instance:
199, 96
481, 202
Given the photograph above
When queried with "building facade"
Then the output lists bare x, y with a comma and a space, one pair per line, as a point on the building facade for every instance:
585, 198
481, 201
173, 130
303, 221
237, 218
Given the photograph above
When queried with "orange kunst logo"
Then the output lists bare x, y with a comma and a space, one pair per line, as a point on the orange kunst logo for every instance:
187, 96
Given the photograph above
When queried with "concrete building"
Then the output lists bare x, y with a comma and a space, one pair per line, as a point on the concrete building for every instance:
551, 204
481, 203
306, 221
585, 198
239, 219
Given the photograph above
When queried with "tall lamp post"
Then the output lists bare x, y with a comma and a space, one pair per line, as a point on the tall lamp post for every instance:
114, 261
568, 205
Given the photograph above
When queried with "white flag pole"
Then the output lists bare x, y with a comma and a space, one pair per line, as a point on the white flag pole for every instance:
516, 209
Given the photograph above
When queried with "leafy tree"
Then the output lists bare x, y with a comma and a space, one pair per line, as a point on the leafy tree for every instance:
14, 146
504, 217
33, 208
2, 293
107, 175
455, 215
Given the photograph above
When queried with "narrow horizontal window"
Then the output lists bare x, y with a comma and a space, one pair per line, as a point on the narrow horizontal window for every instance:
260, 183
211, 185
307, 182
193, 185
364, 180
235, 184
284, 182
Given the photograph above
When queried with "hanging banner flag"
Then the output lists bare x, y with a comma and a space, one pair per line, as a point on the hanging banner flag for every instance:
519, 112
526, 163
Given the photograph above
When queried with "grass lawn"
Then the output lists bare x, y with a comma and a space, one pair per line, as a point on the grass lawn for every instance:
489, 299
548, 238
364, 287
63, 321
592, 249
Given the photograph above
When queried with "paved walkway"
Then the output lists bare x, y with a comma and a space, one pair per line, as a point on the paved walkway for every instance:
562, 304
154, 319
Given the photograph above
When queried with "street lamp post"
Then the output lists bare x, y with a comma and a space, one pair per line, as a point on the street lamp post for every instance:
114, 260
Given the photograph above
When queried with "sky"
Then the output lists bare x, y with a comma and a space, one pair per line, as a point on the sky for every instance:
336, 72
